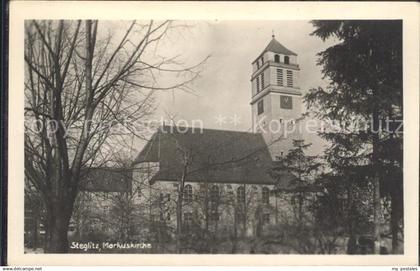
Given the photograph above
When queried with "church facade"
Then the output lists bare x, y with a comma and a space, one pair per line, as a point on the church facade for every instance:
224, 176
228, 191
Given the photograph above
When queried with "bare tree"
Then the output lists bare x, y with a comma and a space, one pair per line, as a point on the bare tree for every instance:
84, 91
186, 162
125, 215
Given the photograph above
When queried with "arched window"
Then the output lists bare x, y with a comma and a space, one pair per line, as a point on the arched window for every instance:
276, 58
187, 219
265, 195
286, 60
240, 193
240, 215
214, 203
188, 193
265, 219
214, 194
240, 208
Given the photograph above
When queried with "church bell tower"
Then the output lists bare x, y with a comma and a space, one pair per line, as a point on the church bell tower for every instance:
276, 97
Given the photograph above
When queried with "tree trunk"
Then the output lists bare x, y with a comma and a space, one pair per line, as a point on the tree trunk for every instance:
206, 207
397, 210
300, 210
376, 184
351, 245
179, 204
245, 209
277, 208
179, 211
179, 221
58, 219
35, 225
35, 231
396, 215
235, 232
376, 214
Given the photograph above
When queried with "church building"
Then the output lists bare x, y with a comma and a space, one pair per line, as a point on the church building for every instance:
225, 175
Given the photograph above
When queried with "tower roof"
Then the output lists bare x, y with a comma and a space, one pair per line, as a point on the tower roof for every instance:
278, 48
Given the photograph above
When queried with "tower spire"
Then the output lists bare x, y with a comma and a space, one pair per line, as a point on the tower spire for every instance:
272, 34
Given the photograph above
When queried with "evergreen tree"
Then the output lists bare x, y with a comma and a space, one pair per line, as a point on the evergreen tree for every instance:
365, 91
303, 167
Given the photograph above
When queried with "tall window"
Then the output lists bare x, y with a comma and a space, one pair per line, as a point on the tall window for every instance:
260, 107
265, 219
105, 195
276, 58
164, 206
262, 60
214, 203
188, 193
262, 80
240, 193
286, 60
280, 77
106, 209
257, 81
240, 215
214, 194
188, 219
265, 195
289, 78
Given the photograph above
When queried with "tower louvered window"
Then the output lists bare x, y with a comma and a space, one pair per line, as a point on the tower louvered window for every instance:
289, 78
258, 84
279, 77
262, 81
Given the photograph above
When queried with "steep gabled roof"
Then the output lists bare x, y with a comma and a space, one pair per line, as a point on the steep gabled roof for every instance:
216, 156
276, 47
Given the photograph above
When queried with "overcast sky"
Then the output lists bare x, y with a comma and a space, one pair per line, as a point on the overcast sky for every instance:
224, 87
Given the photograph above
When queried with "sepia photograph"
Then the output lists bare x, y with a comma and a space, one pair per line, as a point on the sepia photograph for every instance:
214, 137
